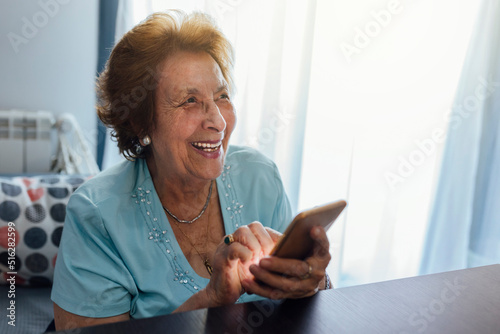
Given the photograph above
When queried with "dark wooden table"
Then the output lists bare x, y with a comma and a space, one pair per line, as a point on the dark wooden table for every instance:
463, 301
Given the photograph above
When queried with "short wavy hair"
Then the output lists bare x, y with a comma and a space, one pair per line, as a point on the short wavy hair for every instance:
127, 86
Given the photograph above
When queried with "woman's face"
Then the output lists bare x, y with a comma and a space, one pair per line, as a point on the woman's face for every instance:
194, 117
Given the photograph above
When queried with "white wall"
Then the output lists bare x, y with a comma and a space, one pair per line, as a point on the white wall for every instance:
53, 65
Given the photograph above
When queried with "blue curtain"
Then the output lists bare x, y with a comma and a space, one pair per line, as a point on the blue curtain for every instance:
464, 227
107, 23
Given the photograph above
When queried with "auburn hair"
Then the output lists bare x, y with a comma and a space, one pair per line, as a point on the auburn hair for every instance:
127, 85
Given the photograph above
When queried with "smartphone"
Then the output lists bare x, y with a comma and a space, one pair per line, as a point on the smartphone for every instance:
296, 241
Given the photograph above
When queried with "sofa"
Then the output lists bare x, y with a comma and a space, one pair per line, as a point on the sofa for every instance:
32, 212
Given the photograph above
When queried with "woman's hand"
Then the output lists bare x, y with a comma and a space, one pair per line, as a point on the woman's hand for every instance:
232, 262
278, 278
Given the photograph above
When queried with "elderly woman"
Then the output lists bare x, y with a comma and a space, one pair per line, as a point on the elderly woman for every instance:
187, 221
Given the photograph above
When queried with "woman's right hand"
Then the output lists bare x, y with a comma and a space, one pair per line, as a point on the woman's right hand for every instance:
232, 262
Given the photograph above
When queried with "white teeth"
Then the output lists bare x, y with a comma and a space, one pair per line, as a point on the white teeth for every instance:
206, 146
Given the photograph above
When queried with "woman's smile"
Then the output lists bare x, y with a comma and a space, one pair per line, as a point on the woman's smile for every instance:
210, 149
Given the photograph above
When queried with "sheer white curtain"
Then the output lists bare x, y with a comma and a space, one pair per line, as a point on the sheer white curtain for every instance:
464, 229
383, 78
349, 97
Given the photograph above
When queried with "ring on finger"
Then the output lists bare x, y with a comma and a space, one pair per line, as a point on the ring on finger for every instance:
308, 274
229, 239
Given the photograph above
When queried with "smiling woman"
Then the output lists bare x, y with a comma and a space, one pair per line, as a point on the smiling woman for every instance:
135, 69
145, 237
192, 94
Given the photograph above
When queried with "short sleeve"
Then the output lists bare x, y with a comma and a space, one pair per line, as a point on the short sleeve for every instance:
90, 277
282, 215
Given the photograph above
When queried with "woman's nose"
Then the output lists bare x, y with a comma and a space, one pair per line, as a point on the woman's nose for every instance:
214, 118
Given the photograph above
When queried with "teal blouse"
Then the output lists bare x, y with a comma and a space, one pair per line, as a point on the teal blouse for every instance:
118, 253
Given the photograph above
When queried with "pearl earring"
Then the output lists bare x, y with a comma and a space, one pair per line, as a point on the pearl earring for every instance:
146, 140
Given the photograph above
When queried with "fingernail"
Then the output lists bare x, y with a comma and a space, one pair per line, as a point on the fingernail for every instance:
265, 262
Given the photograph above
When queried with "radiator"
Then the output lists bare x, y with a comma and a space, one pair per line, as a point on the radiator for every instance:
25, 141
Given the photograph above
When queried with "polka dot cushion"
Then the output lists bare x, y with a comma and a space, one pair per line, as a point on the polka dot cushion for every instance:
36, 208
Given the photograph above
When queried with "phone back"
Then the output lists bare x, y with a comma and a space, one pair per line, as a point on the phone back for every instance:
296, 241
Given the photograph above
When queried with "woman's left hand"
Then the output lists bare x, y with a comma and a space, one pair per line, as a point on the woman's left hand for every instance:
278, 278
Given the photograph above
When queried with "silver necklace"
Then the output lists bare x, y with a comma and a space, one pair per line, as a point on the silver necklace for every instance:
201, 213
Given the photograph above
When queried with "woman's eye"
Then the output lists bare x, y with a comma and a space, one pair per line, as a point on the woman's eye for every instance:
191, 100
224, 96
